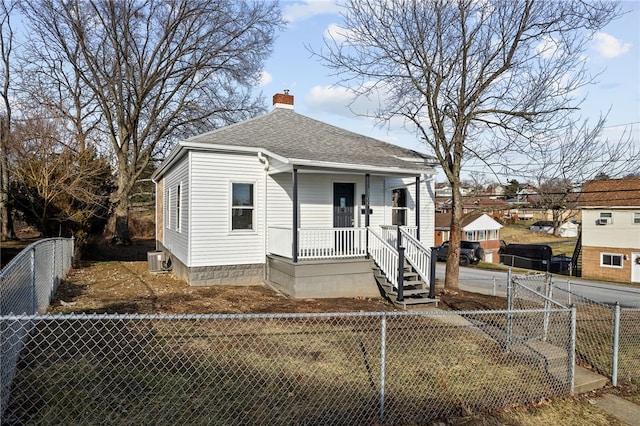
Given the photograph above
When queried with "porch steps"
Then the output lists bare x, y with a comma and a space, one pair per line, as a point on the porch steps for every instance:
415, 291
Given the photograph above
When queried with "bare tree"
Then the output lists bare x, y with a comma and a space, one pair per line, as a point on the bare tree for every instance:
475, 79
59, 190
158, 70
6, 50
561, 164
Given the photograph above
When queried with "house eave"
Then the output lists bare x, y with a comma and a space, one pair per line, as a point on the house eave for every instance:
291, 163
186, 146
609, 207
311, 165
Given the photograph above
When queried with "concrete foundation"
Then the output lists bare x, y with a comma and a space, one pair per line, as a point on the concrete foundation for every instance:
322, 278
252, 274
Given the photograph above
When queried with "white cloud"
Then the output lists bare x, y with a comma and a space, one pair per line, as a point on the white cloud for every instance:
329, 99
336, 32
299, 11
548, 47
609, 46
265, 78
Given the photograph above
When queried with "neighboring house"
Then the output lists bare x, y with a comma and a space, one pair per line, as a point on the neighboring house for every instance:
475, 227
492, 207
611, 229
289, 200
567, 229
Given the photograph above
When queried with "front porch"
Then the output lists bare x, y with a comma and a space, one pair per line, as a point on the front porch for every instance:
351, 262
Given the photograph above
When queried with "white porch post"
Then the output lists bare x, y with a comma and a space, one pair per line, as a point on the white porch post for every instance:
418, 208
367, 183
294, 197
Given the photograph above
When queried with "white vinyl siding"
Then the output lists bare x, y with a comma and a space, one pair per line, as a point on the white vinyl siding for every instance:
622, 233
279, 205
212, 241
427, 192
175, 237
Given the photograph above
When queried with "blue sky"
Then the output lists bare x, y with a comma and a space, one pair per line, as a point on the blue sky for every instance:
615, 52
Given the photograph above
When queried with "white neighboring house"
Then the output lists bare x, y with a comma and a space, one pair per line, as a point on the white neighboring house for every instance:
567, 229
611, 229
289, 200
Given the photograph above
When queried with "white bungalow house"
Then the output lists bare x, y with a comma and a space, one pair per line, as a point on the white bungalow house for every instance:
294, 202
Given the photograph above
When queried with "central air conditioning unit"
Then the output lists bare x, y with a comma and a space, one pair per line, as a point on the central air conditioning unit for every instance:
602, 222
156, 259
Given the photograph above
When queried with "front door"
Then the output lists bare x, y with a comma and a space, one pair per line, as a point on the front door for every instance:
343, 214
635, 267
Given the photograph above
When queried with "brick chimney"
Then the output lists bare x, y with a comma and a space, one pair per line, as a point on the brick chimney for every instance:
283, 100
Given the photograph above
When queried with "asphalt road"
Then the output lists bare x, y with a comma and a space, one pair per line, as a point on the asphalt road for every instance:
495, 282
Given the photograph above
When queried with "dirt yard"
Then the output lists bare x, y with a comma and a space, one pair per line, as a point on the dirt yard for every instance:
112, 279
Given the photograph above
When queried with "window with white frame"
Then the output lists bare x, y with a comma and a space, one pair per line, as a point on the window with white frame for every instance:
606, 217
178, 206
611, 260
636, 217
242, 206
167, 204
399, 207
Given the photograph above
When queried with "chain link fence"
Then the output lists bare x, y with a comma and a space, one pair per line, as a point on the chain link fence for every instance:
607, 336
358, 368
29, 280
27, 284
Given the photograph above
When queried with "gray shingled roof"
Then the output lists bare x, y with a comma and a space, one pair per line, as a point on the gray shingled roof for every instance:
294, 136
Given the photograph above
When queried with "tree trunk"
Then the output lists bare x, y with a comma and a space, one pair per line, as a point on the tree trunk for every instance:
453, 257
6, 224
122, 206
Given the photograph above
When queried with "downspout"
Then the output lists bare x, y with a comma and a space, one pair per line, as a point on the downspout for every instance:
264, 160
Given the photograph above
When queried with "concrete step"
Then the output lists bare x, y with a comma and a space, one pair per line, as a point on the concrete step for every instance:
410, 292
412, 301
587, 381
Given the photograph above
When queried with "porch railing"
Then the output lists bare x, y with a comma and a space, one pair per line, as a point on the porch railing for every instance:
416, 254
385, 255
318, 243
389, 233
331, 243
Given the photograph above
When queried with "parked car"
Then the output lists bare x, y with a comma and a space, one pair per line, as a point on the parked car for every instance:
470, 252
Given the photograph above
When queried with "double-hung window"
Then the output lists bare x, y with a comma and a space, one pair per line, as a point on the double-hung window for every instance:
242, 206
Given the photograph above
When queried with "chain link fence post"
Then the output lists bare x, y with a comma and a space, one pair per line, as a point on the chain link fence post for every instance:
33, 280
616, 341
383, 353
509, 324
572, 348
547, 305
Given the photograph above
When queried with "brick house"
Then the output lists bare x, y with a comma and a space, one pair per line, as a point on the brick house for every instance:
611, 229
